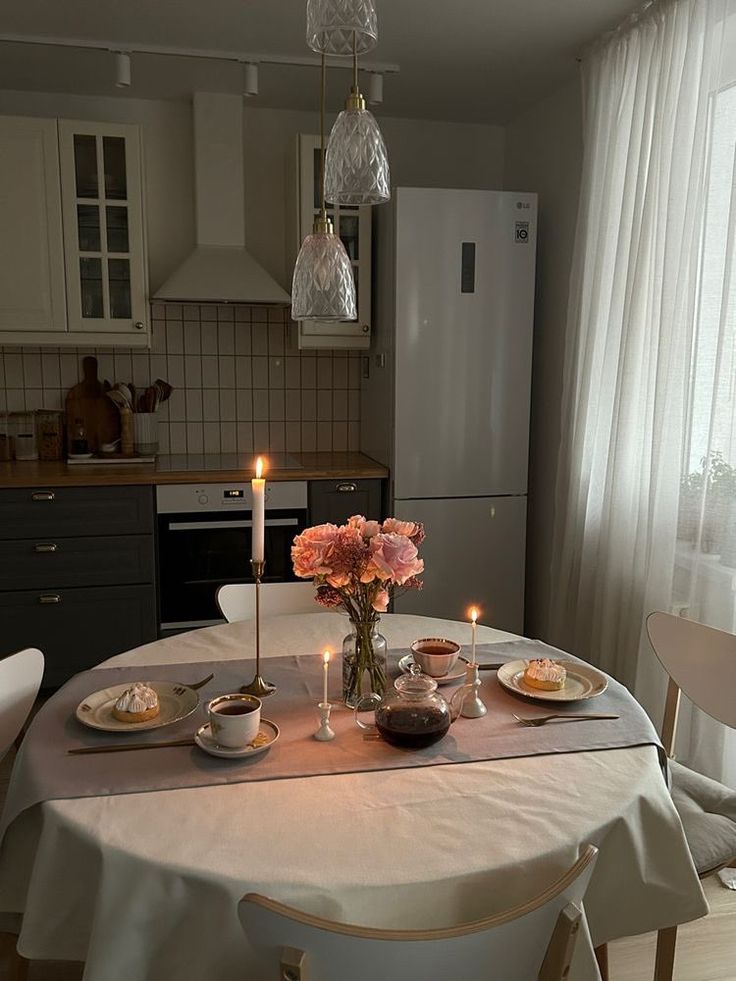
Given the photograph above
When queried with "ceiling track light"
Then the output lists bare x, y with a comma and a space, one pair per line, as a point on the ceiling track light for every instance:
122, 69
375, 89
250, 79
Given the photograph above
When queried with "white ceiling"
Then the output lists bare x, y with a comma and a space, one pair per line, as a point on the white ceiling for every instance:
470, 60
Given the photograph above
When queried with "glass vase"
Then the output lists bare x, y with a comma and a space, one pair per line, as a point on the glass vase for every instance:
363, 661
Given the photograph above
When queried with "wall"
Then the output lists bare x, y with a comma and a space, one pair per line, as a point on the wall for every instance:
544, 154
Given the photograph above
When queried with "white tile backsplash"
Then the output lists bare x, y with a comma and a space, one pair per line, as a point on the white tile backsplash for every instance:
240, 382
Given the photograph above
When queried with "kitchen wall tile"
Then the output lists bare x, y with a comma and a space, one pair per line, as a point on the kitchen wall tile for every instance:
226, 368
240, 381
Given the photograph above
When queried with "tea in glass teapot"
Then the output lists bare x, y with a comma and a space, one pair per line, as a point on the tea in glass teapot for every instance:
414, 715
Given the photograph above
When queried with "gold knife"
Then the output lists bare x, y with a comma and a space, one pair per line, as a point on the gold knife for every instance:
124, 747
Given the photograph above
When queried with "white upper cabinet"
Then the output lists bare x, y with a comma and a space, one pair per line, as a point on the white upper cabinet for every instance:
101, 198
32, 295
72, 244
353, 225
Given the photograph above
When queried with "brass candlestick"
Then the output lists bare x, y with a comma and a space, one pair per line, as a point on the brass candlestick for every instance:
259, 686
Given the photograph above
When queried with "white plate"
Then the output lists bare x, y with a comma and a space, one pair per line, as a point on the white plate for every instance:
203, 738
175, 702
583, 681
453, 676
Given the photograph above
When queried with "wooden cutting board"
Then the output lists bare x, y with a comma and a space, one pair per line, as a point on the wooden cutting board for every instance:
89, 402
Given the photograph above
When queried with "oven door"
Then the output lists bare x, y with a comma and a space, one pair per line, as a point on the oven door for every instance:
199, 552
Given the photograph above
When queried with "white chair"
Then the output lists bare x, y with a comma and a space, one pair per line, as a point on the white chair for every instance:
536, 940
700, 661
20, 680
238, 601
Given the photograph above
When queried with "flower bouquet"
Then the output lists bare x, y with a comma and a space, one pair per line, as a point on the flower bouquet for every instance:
359, 566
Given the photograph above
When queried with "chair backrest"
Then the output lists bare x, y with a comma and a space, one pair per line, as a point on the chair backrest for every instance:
536, 940
20, 679
238, 601
701, 661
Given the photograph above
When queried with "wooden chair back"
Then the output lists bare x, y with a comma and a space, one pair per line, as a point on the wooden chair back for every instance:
700, 661
536, 940
20, 680
238, 601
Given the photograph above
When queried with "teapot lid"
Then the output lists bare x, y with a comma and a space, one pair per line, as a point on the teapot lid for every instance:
415, 684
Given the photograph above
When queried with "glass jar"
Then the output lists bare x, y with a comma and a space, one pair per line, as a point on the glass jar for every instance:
50, 434
23, 430
363, 661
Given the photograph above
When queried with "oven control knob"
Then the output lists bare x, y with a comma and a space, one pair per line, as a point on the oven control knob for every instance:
203, 499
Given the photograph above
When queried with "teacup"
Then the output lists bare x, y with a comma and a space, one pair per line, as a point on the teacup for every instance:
435, 655
234, 719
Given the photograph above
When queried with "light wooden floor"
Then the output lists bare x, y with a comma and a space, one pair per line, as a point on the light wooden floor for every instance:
706, 949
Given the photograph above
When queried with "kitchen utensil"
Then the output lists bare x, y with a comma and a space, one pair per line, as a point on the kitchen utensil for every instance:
165, 389
95, 710
457, 673
414, 715
180, 689
265, 738
124, 747
583, 681
89, 401
542, 720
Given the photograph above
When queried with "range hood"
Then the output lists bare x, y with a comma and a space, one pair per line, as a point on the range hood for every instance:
220, 269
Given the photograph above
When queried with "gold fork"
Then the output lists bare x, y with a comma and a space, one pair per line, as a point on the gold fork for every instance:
180, 689
544, 719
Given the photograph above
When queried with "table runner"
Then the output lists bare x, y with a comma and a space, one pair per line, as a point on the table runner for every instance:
45, 771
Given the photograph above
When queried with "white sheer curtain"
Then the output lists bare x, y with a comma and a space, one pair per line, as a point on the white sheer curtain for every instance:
651, 354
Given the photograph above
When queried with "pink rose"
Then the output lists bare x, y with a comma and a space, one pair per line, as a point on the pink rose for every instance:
394, 526
392, 557
310, 552
366, 528
380, 602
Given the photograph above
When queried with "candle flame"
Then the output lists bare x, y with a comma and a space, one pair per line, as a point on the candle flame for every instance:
260, 467
474, 613
326, 656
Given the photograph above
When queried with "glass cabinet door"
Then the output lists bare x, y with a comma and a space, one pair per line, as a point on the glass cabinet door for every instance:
101, 196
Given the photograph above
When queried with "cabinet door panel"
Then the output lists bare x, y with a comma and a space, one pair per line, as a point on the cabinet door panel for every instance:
75, 511
336, 500
62, 562
32, 292
77, 628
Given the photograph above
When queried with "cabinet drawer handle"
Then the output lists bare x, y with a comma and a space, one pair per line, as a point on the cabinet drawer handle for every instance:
43, 496
348, 487
45, 547
47, 598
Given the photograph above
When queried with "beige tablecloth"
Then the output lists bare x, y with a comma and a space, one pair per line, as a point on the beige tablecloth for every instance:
146, 886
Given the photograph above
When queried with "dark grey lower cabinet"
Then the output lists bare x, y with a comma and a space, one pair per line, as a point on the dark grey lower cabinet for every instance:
336, 500
77, 628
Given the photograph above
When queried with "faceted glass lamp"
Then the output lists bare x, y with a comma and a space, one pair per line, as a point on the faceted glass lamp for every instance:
341, 27
356, 162
323, 287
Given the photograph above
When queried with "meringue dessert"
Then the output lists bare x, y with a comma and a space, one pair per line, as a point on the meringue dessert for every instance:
139, 703
545, 674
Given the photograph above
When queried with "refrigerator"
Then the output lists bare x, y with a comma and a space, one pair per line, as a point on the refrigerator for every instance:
446, 390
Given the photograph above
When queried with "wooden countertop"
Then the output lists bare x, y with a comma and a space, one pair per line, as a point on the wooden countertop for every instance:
219, 468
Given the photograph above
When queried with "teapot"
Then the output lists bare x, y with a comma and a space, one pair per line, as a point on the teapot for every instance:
414, 715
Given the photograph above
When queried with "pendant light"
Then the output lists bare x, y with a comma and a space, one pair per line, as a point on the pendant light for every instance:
323, 287
333, 24
356, 164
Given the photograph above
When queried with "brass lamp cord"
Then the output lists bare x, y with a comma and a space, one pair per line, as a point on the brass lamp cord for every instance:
323, 209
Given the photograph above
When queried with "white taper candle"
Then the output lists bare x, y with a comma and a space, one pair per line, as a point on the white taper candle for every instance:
258, 487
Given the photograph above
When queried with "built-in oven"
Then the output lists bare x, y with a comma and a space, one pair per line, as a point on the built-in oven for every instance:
204, 542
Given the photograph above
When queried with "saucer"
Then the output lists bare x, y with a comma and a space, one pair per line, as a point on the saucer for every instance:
451, 678
203, 738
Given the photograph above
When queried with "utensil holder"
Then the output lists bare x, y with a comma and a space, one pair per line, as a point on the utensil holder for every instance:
145, 427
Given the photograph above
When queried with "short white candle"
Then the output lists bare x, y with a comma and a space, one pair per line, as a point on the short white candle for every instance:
473, 626
258, 487
325, 669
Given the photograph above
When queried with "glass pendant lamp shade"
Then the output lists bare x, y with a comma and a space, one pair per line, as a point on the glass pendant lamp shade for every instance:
356, 163
323, 287
341, 27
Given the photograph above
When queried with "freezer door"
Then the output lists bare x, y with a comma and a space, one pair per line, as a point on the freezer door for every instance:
464, 311
473, 554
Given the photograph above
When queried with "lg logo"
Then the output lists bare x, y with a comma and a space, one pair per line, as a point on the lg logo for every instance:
523, 204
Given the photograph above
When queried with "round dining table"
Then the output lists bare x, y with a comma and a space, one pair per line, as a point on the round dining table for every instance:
145, 886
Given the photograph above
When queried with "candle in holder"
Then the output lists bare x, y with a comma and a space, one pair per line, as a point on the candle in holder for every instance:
325, 669
258, 487
473, 627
